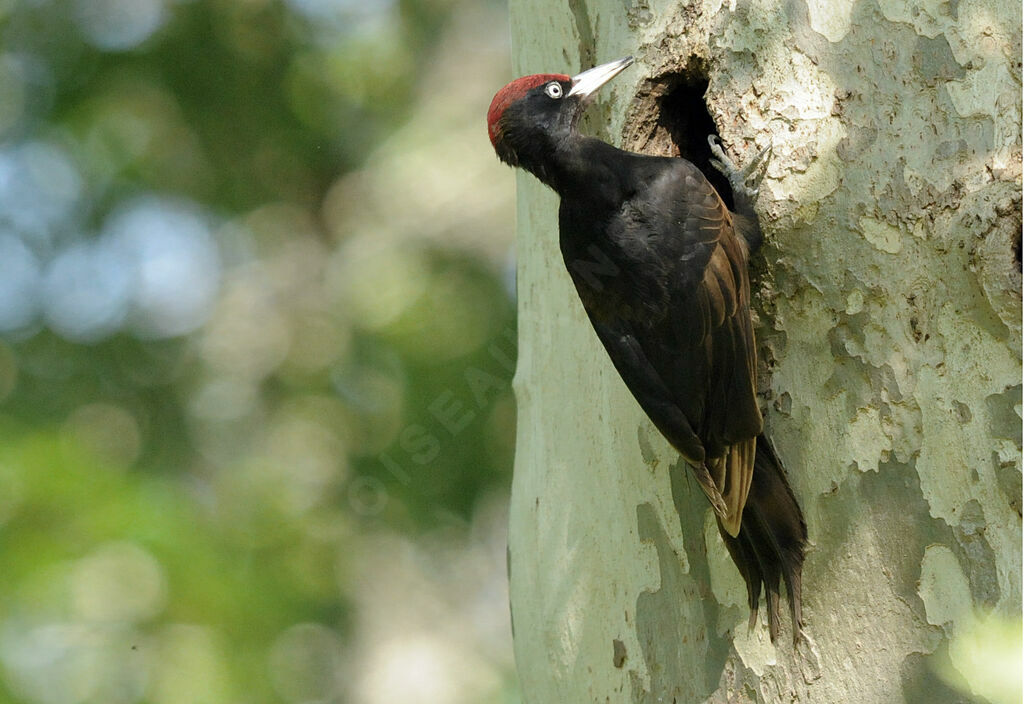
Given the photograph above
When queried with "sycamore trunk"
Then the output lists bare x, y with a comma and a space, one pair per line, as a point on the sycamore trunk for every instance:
888, 301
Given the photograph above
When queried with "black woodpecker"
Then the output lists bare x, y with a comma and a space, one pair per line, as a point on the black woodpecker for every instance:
660, 265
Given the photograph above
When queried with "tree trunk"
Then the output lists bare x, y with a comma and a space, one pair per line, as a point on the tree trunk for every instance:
888, 302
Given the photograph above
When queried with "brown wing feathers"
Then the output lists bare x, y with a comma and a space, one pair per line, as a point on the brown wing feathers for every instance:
762, 525
734, 421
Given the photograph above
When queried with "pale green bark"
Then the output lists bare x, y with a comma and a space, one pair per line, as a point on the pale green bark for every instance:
889, 304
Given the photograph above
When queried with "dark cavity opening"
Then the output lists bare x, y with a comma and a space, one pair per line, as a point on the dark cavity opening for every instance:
685, 117
670, 118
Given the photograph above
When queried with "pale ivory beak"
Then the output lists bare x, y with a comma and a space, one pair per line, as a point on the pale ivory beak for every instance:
590, 80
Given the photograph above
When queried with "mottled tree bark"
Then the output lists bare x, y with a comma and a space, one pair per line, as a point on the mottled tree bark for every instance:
888, 301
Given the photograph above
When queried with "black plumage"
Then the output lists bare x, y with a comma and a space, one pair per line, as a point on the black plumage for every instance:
660, 265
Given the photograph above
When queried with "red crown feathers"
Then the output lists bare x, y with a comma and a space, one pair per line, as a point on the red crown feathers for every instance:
513, 92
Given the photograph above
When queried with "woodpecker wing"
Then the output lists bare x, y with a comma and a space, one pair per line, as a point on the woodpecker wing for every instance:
704, 343
684, 345
623, 346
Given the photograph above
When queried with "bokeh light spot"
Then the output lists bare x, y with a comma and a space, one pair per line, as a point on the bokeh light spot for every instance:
248, 335
20, 278
53, 663
331, 20
419, 665
118, 25
378, 280
39, 189
306, 456
176, 265
985, 652
87, 291
119, 581
223, 398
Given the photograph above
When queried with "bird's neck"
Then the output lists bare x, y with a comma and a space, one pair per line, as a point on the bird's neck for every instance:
573, 164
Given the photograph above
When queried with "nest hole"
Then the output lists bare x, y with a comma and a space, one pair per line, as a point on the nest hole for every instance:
671, 118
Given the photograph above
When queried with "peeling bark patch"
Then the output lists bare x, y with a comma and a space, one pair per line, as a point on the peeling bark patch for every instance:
682, 610
830, 18
883, 236
809, 41
1008, 476
935, 61
650, 457
858, 139
639, 14
585, 33
978, 557
996, 258
618, 653
963, 412
784, 403
1004, 422
943, 588
896, 502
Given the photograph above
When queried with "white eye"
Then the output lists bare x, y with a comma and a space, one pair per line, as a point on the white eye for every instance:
553, 90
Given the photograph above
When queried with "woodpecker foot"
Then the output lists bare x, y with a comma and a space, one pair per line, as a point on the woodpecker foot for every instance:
737, 176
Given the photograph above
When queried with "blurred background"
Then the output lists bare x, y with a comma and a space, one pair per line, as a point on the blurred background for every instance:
256, 340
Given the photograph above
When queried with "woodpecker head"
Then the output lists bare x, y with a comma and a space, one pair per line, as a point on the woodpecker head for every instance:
534, 112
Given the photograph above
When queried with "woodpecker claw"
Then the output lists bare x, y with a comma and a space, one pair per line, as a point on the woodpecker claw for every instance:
767, 151
737, 176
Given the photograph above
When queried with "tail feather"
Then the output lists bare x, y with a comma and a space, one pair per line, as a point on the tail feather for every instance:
771, 541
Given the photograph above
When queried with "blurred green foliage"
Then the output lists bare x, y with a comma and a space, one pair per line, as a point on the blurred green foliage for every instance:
226, 373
